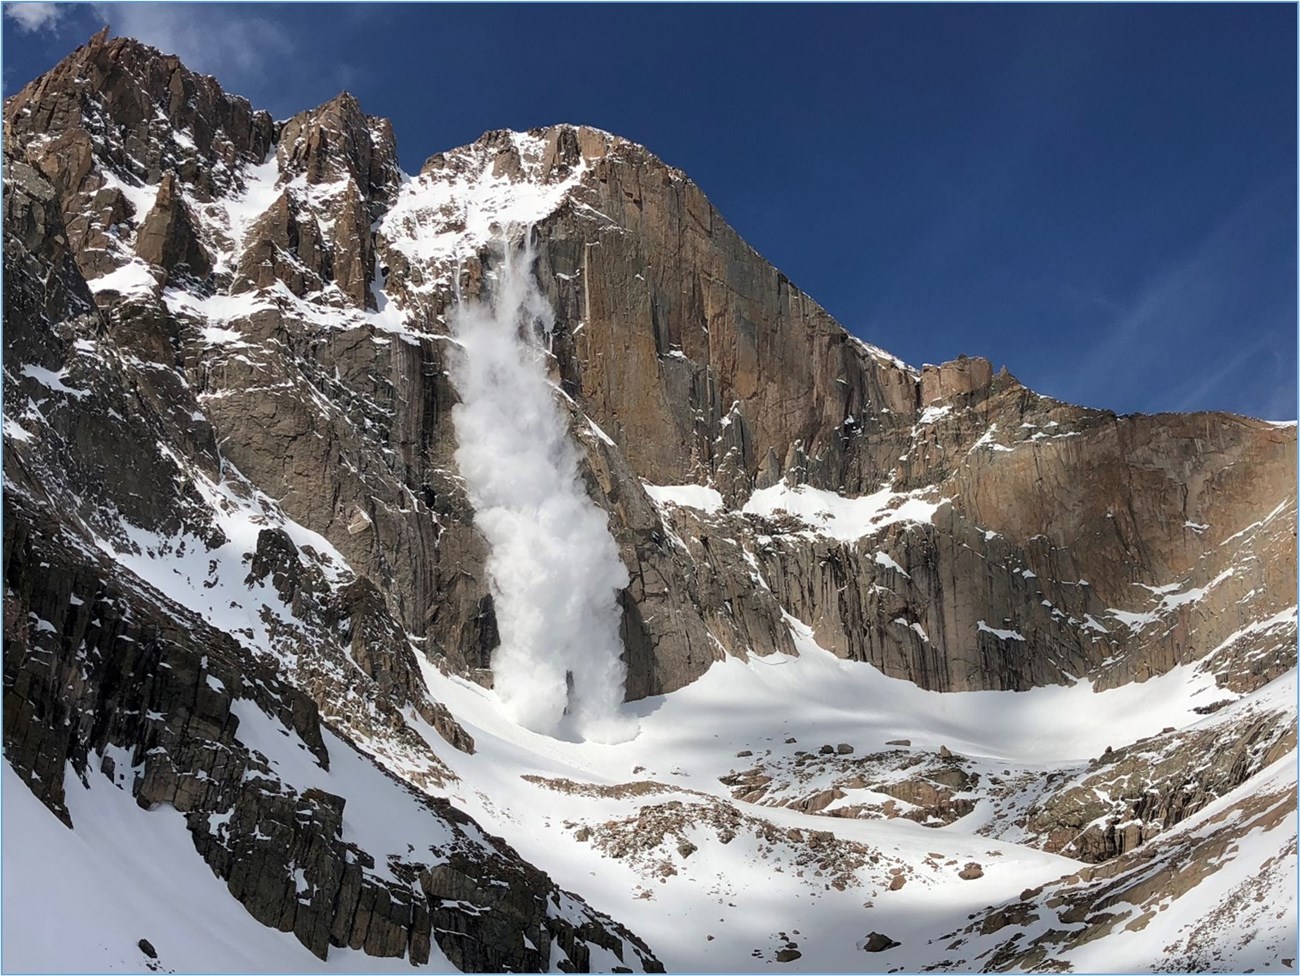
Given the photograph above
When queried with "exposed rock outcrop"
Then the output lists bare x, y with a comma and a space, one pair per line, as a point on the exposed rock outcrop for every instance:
1129, 893
1132, 794
132, 691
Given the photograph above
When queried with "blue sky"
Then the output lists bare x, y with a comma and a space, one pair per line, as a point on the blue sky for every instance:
1100, 197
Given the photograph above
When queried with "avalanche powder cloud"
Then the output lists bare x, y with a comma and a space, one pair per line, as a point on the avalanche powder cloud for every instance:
553, 566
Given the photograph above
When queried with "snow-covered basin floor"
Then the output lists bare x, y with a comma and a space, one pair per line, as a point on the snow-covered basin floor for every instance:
726, 901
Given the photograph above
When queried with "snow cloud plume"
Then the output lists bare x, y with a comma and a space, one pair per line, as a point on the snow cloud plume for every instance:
553, 566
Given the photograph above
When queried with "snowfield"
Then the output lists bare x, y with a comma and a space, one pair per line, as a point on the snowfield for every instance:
644, 830
726, 902
839, 517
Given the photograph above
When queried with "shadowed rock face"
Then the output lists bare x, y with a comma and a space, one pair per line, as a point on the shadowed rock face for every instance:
119, 683
213, 317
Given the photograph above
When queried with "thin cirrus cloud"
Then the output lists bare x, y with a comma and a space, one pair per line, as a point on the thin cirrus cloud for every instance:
236, 46
33, 17
1275, 397
252, 50
1195, 295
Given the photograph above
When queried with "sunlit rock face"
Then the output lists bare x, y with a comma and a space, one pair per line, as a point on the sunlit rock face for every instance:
245, 492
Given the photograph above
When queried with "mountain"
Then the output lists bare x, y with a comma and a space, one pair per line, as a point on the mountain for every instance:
336, 499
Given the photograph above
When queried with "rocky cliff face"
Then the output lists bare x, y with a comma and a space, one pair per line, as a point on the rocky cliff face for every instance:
227, 420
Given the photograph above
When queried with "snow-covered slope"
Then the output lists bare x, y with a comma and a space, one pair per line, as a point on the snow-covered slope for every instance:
655, 836
124, 875
650, 833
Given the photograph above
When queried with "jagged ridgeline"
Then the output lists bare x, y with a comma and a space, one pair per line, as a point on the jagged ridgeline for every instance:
250, 618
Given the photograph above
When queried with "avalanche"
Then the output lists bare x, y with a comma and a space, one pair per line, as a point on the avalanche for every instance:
555, 569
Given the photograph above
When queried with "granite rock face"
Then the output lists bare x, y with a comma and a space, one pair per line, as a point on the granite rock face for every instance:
228, 433
705, 365
697, 361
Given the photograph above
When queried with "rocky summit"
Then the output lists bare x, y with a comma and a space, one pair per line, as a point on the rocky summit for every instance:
921, 670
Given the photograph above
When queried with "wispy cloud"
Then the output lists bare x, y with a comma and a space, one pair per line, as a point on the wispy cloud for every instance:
1194, 296
240, 48
1262, 367
1196, 395
1281, 404
31, 17
252, 49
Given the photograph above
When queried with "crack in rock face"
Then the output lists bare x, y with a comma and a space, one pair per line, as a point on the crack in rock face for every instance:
554, 568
